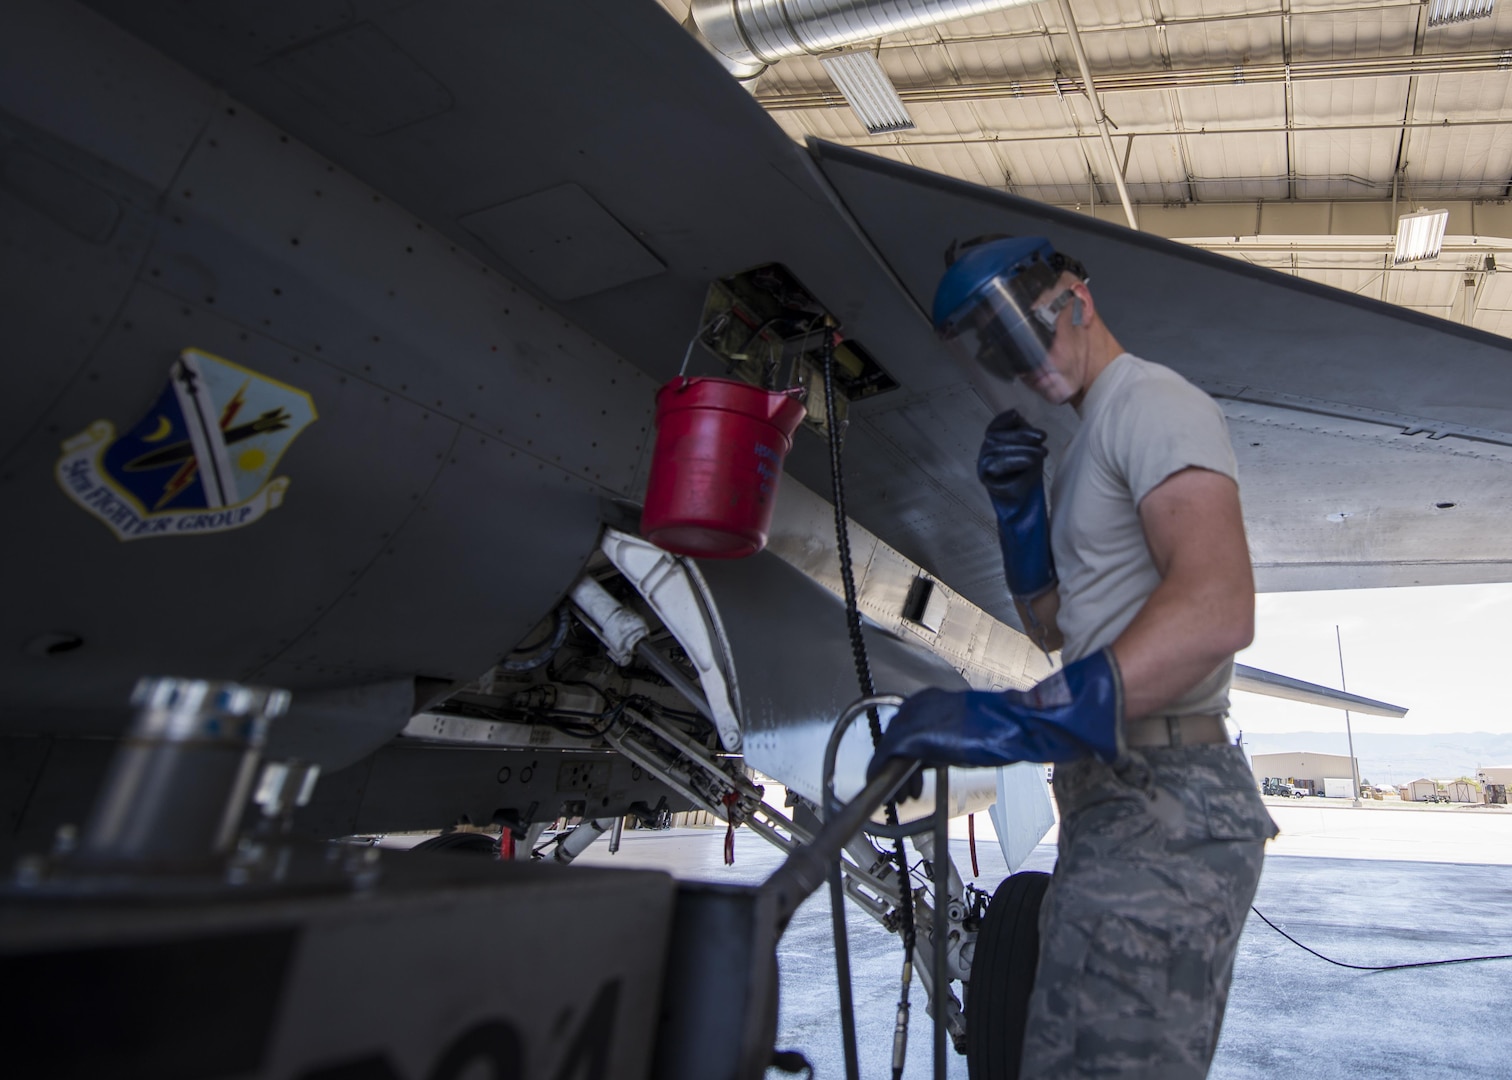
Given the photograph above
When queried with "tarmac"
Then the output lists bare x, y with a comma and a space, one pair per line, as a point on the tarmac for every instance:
1382, 884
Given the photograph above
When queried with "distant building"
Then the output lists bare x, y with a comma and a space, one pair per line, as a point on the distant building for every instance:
1307, 771
1462, 791
1495, 774
1423, 790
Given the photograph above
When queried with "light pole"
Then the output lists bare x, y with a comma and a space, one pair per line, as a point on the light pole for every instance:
1354, 766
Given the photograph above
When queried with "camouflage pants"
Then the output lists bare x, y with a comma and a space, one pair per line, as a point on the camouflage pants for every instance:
1160, 855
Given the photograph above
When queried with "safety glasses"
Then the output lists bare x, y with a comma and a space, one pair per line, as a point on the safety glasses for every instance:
1048, 313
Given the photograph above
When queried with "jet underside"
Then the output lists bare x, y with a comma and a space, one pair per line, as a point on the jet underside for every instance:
335, 331
324, 194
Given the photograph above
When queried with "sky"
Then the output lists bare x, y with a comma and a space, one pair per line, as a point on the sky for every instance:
1442, 652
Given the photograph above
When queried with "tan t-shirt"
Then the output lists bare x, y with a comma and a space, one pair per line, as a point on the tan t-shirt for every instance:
1140, 423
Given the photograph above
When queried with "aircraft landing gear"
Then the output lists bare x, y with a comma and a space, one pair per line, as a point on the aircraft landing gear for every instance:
997, 997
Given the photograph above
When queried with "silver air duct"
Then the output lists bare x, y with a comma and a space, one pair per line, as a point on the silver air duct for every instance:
747, 35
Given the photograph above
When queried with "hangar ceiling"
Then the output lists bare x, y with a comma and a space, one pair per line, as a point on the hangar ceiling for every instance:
1288, 133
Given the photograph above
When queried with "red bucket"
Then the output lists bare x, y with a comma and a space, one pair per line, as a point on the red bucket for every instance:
719, 451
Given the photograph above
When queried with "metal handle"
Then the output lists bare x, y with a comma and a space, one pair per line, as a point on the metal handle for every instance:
803, 871
832, 748
832, 805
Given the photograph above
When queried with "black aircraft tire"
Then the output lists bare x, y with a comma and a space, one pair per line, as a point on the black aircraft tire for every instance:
462, 843
1002, 975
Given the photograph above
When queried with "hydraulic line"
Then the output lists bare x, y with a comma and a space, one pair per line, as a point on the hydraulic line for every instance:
864, 679
519, 662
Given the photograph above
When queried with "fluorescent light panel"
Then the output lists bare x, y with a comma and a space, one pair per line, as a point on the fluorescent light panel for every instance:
1420, 236
1444, 12
868, 89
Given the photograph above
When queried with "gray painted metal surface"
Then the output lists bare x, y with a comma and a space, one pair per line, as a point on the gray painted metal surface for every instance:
1332, 397
193, 179
338, 726
795, 686
451, 404
564, 242
988, 654
654, 131
708, 185
1256, 681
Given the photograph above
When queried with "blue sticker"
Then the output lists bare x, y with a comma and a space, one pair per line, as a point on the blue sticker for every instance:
200, 461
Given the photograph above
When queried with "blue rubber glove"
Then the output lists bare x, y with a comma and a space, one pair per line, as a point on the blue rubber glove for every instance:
1011, 466
1073, 714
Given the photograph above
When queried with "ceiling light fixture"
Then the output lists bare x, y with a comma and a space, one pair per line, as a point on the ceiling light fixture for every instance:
1444, 12
1420, 236
868, 89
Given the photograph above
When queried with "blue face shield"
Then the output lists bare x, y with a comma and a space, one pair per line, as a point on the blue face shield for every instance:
984, 310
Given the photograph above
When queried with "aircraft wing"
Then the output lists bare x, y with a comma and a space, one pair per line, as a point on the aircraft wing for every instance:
1267, 683
1371, 440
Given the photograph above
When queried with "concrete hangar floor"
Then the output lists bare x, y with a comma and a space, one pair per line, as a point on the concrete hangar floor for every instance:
1368, 886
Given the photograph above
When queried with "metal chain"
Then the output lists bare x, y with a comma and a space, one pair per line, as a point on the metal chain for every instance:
864, 678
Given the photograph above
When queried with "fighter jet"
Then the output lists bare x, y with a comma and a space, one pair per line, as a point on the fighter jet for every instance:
336, 332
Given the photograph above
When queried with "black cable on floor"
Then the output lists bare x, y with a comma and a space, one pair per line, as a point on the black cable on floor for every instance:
1377, 967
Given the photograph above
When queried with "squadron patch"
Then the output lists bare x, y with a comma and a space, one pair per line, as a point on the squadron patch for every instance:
200, 461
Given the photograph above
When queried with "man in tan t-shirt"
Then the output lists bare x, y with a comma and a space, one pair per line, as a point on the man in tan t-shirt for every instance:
1144, 584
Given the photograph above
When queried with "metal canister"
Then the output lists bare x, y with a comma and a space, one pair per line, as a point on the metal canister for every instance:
179, 780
